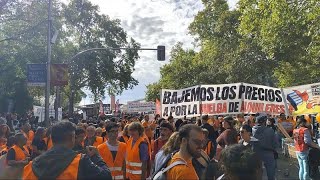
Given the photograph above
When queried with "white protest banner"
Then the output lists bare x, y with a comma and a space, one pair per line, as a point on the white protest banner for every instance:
258, 98
219, 99
180, 103
141, 106
40, 112
303, 99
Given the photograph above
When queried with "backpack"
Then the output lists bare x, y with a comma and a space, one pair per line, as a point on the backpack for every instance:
160, 173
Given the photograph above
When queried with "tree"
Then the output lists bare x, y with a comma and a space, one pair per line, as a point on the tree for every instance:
178, 74
268, 42
23, 40
285, 32
109, 70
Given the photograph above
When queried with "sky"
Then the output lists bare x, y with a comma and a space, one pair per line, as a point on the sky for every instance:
151, 23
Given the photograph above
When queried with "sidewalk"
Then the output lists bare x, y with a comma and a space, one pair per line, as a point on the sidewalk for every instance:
287, 169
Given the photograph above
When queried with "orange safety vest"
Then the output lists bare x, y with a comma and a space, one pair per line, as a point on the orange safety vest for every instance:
114, 165
48, 143
133, 161
208, 148
71, 172
149, 144
20, 154
298, 135
125, 138
4, 150
97, 142
29, 137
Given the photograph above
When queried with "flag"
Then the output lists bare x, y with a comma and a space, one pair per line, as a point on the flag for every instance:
113, 100
116, 108
101, 110
158, 107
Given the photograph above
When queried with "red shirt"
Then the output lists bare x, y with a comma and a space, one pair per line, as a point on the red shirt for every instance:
157, 145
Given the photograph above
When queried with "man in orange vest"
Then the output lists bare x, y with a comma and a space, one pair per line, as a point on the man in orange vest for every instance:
113, 151
137, 153
18, 156
61, 162
92, 139
302, 141
28, 133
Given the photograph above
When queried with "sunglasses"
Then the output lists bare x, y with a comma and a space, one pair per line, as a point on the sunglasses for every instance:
242, 132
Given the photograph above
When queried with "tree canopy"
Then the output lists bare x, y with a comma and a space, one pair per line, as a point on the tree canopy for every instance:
23, 40
267, 42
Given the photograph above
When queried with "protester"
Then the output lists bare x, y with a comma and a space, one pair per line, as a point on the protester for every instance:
246, 136
177, 124
61, 162
28, 133
137, 153
4, 128
92, 139
171, 146
113, 151
48, 139
228, 137
207, 144
38, 143
171, 121
80, 134
191, 139
287, 123
266, 146
271, 124
302, 142
8, 145
166, 130
212, 136
240, 163
3, 142
99, 132
18, 156
125, 134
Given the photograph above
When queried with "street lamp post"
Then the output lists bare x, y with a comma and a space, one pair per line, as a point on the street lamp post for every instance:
47, 96
160, 56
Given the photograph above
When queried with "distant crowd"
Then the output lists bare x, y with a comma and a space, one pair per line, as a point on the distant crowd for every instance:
213, 147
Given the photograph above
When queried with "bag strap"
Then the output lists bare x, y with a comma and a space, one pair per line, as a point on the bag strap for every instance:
168, 168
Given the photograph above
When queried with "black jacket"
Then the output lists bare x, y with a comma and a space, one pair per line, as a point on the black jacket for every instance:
52, 163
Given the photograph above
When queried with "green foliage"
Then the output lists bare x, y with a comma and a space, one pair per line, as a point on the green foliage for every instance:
23, 40
268, 42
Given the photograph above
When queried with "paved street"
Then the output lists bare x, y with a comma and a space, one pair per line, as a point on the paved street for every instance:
288, 169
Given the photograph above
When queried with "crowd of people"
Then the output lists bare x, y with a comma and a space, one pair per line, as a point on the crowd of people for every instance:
224, 148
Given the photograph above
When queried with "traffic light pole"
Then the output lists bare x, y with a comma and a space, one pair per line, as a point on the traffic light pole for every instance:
47, 96
160, 56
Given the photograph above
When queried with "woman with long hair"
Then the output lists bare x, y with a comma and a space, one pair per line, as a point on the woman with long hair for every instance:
172, 145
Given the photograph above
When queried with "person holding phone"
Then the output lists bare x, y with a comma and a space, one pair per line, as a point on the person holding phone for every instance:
61, 162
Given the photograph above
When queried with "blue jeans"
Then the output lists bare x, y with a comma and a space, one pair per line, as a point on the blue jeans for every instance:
270, 164
303, 165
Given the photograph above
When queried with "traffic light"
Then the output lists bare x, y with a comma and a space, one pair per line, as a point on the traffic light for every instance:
161, 53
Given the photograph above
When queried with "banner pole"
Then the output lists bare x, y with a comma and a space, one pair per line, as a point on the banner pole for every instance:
200, 103
161, 103
285, 102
